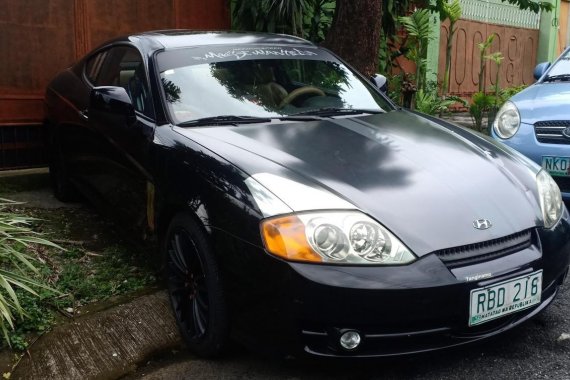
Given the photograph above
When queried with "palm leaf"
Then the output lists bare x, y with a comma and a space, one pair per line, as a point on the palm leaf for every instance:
417, 24
496, 57
18, 270
483, 46
451, 10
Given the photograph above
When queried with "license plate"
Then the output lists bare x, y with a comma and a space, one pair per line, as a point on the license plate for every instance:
504, 298
558, 166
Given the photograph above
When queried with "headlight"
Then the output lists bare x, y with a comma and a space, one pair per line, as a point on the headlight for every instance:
550, 198
348, 237
507, 121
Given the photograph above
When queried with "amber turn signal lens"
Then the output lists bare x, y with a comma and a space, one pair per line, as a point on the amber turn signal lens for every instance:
285, 237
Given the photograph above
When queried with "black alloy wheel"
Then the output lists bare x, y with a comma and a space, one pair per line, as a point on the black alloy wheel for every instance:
187, 284
62, 187
194, 288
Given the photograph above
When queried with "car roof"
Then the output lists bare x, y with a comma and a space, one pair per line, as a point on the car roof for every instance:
180, 38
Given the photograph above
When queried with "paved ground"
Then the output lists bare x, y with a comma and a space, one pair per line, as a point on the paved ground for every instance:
536, 350
463, 119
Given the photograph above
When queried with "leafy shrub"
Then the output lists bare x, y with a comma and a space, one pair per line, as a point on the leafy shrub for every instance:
433, 104
480, 104
418, 29
506, 93
430, 102
18, 274
304, 18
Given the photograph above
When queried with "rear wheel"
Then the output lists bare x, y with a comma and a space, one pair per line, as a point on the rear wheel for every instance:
62, 188
195, 288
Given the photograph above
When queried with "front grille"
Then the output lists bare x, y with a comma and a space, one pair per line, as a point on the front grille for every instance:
551, 131
489, 250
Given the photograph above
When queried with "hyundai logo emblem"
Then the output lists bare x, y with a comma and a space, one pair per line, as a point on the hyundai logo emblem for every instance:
566, 133
482, 224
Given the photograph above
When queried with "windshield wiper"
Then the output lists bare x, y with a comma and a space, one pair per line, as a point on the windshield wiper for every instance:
333, 111
224, 120
298, 117
560, 77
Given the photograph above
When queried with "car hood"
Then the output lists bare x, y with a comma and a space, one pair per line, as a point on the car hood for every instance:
543, 101
425, 182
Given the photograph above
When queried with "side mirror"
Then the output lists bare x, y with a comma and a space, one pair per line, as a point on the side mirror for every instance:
112, 104
380, 81
540, 69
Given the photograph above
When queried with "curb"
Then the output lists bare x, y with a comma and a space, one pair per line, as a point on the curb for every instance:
104, 345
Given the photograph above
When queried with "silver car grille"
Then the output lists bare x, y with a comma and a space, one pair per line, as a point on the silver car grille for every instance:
550, 131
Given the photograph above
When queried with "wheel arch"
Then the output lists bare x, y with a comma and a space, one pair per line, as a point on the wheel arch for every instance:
168, 211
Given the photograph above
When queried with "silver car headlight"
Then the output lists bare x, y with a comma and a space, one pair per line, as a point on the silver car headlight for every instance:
341, 237
550, 198
507, 121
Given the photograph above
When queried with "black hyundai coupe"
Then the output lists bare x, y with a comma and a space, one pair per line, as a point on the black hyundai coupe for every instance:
297, 208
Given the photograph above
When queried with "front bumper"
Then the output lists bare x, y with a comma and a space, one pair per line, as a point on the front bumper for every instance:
297, 308
447, 332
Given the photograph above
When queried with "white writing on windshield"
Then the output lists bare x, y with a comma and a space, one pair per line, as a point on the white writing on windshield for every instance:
242, 53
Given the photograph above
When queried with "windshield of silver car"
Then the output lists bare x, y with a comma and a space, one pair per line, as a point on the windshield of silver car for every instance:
260, 81
561, 68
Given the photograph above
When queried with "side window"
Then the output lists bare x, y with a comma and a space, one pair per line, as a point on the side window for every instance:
124, 68
93, 67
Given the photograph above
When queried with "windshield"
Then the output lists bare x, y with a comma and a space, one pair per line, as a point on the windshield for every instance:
260, 82
561, 66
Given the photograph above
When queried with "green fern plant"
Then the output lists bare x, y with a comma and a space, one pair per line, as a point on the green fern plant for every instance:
480, 104
16, 267
418, 28
431, 103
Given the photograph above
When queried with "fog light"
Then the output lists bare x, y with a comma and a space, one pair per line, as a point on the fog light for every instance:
350, 340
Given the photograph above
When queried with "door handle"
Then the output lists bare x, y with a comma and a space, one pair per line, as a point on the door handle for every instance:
84, 114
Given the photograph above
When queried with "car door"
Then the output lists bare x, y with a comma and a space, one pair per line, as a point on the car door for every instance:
74, 138
121, 177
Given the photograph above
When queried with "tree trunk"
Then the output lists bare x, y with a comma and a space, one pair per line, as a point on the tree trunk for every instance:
355, 33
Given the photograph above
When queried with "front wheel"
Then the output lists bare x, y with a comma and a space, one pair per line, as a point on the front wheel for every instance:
195, 287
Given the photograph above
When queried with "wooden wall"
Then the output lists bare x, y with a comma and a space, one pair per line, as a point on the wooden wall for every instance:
518, 45
38, 38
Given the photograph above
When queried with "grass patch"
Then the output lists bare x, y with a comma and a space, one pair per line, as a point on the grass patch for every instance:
94, 277
97, 263
39, 318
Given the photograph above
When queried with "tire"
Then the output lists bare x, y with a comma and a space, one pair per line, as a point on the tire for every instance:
195, 287
62, 188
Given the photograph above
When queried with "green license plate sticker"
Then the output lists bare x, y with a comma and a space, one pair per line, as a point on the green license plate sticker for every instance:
556, 166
